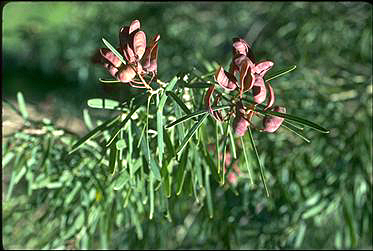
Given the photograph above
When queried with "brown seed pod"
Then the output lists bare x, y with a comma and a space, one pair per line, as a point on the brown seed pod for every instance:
272, 123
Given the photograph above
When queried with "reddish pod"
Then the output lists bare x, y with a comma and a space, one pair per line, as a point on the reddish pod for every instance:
240, 123
133, 47
215, 114
272, 123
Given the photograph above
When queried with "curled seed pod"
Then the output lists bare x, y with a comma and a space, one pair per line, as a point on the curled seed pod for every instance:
225, 79
272, 123
259, 89
135, 25
110, 56
262, 67
271, 100
126, 74
151, 55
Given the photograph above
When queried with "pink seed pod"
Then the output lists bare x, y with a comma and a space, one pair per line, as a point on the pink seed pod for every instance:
259, 89
240, 124
127, 74
272, 123
225, 79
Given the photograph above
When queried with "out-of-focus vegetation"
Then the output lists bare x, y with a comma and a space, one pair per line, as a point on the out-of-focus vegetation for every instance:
321, 193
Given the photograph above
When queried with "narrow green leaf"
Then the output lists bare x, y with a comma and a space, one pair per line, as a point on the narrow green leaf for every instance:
103, 103
225, 142
258, 161
160, 132
130, 151
181, 172
169, 145
281, 73
69, 197
232, 142
198, 170
348, 216
198, 85
112, 158
169, 87
108, 45
22, 105
87, 119
120, 126
180, 103
194, 114
300, 236
190, 133
297, 119
98, 130
217, 144
108, 81
289, 127
246, 160
7, 158
208, 192
151, 195
153, 165
121, 180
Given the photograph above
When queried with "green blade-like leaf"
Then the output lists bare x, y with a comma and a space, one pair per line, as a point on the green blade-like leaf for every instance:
225, 142
180, 103
281, 73
113, 158
246, 160
169, 87
108, 81
103, 103
208, 192
153, 165
289, 127
198, 85
108, 45
151, 195
121, 125
217, 144
169, 145
297, 119
160, 132
258, 161
181, 172
87, 119
191, 132
232, 142
121, 180
98, 130
22, 105
194, 114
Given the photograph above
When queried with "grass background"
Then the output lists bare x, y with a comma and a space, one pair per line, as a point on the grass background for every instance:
46, 55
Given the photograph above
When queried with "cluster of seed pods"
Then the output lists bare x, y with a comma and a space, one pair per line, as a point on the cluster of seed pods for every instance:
245, 75
140, 59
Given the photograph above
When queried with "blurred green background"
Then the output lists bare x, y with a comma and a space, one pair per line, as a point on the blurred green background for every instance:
321, 192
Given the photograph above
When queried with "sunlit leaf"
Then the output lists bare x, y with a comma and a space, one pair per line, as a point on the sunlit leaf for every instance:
103, 103
22, 105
